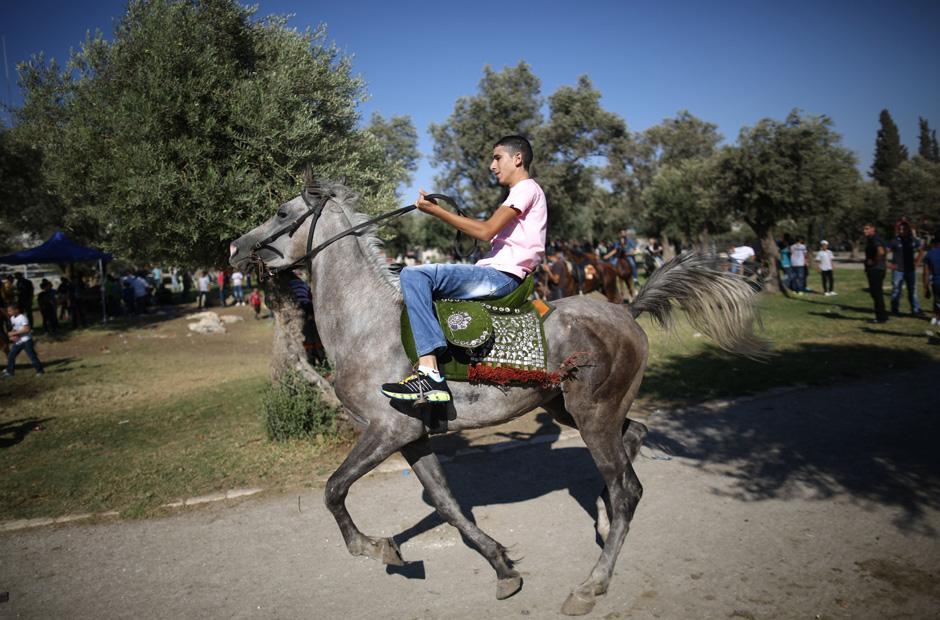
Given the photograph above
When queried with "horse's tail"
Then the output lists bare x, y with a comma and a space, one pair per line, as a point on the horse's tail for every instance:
720, 304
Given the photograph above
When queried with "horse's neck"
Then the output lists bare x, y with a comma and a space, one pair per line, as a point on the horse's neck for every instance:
356, 309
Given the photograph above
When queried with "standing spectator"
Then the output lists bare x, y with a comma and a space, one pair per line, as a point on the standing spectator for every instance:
785, 264
237, 278
187, 285
875, 271
255, 300
202, 300
798, 261
221, 281
824, 258
8, 291
78, 302
21, 337
932, 277
906, 254
24, 296
65, 298
141, 290
127, 296
47, 306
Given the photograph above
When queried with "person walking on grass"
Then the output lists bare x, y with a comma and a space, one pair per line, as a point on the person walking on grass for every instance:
906, 254
236, 279
255, 301
221, 280
824, 265
202, 300
22, 340
516, 231
875, 266
798, 261
932, 276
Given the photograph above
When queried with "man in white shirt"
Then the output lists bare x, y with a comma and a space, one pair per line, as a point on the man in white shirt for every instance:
237, 292
203, 288
824, 258
798, 261
21, 337
740, 255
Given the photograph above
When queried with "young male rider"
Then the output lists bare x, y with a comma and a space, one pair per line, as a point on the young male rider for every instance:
516, 232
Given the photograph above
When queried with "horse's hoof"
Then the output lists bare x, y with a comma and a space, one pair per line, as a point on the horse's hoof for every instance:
507, 587
578, 603
391, 554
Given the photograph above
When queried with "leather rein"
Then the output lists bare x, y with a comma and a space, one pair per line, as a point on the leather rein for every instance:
315, 202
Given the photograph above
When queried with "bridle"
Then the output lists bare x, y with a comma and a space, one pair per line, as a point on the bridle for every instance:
316, 200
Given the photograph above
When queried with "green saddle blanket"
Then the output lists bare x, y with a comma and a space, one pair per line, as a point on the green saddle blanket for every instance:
485, 335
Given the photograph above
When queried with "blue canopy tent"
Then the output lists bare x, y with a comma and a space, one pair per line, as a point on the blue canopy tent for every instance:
60, 249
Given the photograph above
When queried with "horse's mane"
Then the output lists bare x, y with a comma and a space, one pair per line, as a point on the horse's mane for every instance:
369, 243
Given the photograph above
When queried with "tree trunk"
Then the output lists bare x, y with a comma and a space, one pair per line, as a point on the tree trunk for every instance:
288, 352
669, 251
770, 258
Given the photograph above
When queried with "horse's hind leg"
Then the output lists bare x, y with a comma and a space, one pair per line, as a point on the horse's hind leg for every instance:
625, 491
374, 446
632, 434
429, 471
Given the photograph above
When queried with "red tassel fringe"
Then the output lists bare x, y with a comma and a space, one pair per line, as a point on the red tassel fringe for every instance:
479, 373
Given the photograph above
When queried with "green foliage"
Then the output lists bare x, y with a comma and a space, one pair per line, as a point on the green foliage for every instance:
293, 409
194, 122
508, 103
787, 169
574, 144
681, 197
917, 193
889, 152
570, 149
673, 156
927, 142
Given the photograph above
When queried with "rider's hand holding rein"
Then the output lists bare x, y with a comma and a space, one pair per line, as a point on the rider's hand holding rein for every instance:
480, 230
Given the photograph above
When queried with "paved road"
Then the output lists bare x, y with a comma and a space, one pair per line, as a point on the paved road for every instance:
813, 503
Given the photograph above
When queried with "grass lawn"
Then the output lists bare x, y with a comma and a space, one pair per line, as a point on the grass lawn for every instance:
134, 416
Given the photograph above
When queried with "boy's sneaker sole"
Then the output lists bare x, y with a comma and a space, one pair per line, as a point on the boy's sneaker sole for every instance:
434, 396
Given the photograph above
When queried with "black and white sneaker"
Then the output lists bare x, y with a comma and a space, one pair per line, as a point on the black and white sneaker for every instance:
417, 385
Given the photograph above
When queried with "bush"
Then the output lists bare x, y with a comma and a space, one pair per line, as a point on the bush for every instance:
293, 409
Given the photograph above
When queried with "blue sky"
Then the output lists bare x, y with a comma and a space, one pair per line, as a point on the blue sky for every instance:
730, 63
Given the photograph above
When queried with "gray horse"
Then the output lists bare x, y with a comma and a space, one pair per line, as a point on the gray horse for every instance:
357, 303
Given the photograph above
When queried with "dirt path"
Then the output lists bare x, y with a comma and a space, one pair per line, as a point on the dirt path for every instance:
815, 503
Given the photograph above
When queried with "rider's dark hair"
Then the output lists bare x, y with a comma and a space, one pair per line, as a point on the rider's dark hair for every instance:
517, 144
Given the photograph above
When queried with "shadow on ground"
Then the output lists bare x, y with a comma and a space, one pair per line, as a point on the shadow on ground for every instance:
869, 441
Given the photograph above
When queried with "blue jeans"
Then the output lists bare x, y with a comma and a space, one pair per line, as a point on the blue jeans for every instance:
798, 281
421, 284
30, 353
898, 280
632, 261
237, 292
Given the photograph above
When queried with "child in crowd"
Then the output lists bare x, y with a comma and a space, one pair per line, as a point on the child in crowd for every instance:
21, 337
255, 300
824, 260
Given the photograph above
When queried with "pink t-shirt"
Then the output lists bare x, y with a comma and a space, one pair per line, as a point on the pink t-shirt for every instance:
519, 247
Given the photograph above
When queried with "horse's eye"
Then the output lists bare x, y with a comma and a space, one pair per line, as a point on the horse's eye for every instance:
282, 214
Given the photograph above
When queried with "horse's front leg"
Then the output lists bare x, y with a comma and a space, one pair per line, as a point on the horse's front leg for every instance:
377, 442
429, 471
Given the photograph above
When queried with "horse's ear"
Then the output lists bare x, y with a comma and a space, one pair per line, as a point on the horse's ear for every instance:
309, 182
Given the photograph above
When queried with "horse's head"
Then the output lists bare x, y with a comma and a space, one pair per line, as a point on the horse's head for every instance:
281, 241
